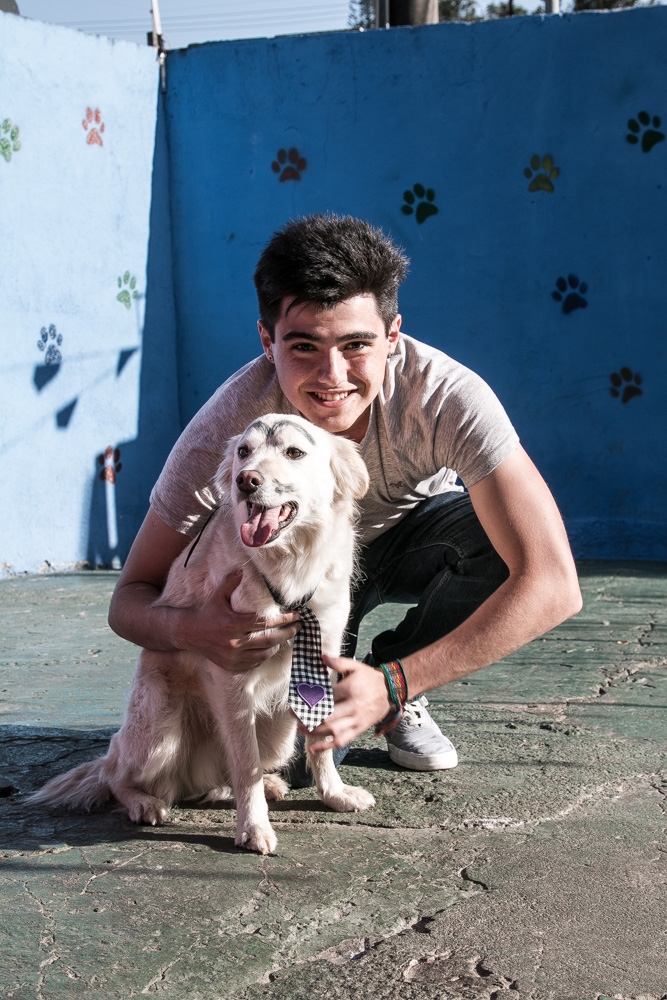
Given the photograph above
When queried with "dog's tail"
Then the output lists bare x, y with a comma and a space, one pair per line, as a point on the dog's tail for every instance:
83, 787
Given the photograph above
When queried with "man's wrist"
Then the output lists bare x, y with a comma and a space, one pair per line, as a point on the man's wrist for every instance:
177, 627
397, 689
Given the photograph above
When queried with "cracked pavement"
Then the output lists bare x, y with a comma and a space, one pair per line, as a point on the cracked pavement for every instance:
536, 868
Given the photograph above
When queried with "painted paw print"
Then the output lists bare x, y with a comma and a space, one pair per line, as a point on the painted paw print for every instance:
90, 125
128, 289
625, 384
570, 293
49, 342
9, 139
111, 464
541, 181
424, 199
289, 164
639, 130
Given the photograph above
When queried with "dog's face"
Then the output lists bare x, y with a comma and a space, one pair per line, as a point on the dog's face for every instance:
283, 473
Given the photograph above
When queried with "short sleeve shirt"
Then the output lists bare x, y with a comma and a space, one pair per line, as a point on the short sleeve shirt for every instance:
435, 426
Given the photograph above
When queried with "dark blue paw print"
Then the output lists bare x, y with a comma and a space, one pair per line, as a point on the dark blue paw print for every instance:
625, 383
570, 293
424, 199
646, 129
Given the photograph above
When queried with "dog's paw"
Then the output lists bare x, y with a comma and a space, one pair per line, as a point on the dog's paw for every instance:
261, 839
274, 787
349, 798
148, 810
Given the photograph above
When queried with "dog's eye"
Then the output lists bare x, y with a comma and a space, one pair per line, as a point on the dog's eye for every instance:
243, 451
294, 453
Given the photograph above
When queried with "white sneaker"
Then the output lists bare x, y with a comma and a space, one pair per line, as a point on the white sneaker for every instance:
417, 743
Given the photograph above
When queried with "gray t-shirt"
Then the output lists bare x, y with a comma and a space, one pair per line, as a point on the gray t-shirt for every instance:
433, 421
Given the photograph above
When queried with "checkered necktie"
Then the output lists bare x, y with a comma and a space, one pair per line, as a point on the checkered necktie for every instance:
310, 691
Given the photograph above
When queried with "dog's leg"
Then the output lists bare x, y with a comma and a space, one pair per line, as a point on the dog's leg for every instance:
276, 740
148, 760
330, 787
253, 829
231, 702
126, 760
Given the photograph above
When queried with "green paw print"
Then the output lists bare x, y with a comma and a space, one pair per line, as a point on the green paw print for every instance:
424, 198
128, 290
542, 181
650, 136
9, 139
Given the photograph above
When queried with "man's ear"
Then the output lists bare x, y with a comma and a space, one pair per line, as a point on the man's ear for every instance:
264, 336
394, 330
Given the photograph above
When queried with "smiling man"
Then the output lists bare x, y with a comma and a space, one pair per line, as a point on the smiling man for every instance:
486, 566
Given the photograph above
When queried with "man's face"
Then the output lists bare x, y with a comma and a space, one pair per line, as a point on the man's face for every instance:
331, 362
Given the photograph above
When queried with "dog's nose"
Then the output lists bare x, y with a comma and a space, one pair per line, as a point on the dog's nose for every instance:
249, 481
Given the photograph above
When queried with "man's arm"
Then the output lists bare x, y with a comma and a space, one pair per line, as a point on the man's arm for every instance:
519, 514
232, 640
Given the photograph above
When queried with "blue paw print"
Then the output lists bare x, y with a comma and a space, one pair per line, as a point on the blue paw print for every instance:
570, 293
625, 384
49, 342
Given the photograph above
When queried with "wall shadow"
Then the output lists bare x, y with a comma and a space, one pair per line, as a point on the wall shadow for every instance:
158, 423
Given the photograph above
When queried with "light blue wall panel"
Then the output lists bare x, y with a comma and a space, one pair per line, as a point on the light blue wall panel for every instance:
77, 145
516, 132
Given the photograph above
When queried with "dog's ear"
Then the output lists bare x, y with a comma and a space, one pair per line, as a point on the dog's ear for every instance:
349, 470
223, 477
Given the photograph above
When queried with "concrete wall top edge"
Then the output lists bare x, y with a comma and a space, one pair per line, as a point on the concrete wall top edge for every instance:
537, 21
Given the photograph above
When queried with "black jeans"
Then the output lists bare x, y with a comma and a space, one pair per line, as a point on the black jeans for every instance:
438, 558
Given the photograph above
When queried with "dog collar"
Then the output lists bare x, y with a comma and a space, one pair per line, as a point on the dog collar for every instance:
282, 603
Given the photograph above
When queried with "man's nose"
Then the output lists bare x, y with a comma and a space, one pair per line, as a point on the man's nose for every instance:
332, 368
249, 481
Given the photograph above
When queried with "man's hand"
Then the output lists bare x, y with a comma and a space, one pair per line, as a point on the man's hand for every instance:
235, 641
361, 700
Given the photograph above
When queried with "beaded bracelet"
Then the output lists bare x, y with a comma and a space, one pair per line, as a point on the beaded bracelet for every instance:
397, 686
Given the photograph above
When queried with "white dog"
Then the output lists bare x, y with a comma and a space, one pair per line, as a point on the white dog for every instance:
192, 729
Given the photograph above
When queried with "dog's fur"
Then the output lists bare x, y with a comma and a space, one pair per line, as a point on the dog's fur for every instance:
191, 728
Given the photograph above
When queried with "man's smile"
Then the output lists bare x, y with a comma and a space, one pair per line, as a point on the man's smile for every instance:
331, 397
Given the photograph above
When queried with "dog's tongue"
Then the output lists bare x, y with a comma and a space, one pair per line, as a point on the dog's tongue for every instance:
261, 524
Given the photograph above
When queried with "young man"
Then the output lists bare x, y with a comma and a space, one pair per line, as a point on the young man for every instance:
488, 568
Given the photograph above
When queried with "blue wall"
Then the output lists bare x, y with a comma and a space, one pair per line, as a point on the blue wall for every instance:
87, 370
517, 131
521, 163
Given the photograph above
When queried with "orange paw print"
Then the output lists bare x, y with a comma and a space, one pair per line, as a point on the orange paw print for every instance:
90, 124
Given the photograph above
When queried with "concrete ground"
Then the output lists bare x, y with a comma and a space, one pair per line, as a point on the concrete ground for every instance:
535, 869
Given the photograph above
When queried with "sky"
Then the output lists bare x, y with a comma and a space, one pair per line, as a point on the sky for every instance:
185, 22
188, 21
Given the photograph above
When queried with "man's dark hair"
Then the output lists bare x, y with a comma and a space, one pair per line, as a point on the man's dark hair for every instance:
328, 259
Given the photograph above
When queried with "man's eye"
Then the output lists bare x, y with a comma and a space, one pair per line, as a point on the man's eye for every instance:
294, 453
242, 451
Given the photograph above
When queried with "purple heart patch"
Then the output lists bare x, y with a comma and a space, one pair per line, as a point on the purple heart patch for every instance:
310, 693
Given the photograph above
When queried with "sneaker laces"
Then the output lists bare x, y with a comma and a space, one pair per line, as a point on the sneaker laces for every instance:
412, 711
